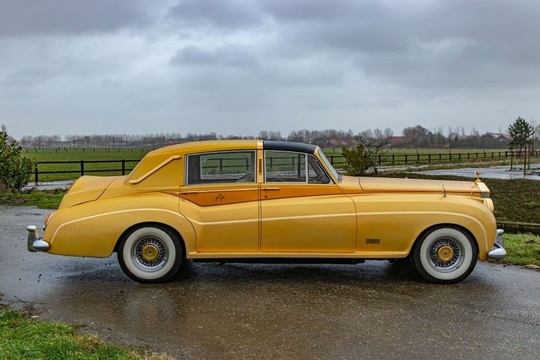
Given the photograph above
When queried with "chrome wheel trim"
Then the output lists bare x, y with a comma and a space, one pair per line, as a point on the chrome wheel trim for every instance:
445, 254
149, 253
460, 264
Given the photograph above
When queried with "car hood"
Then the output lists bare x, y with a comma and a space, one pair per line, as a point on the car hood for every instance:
85, 189
351, 184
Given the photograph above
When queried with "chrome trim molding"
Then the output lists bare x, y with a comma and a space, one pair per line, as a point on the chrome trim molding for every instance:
33, 242
32, 236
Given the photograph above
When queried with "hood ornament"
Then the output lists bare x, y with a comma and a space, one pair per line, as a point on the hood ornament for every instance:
477, 174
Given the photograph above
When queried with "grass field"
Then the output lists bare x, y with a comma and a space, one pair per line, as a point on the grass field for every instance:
97, 161
64, 154
70, 168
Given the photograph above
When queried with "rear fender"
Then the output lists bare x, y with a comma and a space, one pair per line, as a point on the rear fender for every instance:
93, 229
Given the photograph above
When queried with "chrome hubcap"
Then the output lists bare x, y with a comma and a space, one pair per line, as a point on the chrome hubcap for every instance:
445, 254
149, 254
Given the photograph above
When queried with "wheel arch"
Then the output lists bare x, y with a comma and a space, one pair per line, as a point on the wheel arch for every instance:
161, 225
445, 253
431, 228
480, 231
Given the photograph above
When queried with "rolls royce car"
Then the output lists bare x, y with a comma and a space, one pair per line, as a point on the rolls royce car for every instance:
261, 201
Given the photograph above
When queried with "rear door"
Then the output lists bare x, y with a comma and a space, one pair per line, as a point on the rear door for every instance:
221, 199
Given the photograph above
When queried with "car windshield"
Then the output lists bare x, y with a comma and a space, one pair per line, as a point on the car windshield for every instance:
329, 165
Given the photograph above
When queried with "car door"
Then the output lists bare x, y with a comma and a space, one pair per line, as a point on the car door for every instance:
302, 210
221, 199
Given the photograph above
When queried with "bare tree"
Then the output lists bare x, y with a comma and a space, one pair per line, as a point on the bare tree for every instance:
373, 143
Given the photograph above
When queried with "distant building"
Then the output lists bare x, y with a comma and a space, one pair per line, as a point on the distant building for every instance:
500, 137
397, 140
338, 143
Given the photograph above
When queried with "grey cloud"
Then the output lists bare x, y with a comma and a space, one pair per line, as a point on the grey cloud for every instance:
230, 56
315, 10
457, 44
37, 17
266, 59
221, 15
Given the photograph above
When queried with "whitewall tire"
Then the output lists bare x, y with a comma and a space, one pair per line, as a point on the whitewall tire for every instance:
445, 255
150, 254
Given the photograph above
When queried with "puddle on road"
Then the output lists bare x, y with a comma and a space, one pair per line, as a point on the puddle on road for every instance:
497, 172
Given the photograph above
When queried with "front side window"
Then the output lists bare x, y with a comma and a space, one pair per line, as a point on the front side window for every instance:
287, 166
329, 165
221, 167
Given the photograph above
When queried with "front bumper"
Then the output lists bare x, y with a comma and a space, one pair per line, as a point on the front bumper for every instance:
498, 252
34, 243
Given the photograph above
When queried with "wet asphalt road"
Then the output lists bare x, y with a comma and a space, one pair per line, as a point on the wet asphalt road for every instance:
242, 311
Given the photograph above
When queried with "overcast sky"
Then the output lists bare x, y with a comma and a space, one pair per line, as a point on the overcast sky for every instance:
241, 66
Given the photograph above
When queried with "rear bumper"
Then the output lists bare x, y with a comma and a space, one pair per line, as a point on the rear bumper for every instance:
498, 251
35, 243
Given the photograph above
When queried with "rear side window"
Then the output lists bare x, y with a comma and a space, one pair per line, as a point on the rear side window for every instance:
221, 167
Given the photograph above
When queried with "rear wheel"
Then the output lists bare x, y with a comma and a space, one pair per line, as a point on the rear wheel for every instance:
445, 255
150, 254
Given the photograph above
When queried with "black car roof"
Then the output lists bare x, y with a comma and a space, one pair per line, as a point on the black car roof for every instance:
289, 146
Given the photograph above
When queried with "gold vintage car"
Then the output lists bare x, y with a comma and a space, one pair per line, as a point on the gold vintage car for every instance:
254, 200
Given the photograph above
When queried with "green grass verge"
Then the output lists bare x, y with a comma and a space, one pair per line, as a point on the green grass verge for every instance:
24, 338
522, 249
43, 199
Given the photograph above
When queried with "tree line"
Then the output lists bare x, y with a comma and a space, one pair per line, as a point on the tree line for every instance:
360, 149
411, 137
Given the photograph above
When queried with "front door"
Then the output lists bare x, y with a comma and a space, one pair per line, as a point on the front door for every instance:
302, 210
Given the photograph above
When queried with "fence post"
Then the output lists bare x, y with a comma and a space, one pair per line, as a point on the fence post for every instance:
123, 167
36, 173
82, 167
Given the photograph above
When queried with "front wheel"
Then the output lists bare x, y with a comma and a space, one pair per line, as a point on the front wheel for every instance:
150, 254
445, 255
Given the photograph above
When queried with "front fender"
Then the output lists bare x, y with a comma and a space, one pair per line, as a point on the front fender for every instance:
93, 229
390, 224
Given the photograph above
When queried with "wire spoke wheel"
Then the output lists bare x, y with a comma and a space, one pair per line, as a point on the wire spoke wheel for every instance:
150, 254
445, 255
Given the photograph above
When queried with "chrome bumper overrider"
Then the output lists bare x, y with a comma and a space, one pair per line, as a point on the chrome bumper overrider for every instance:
498, 251
34, 243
